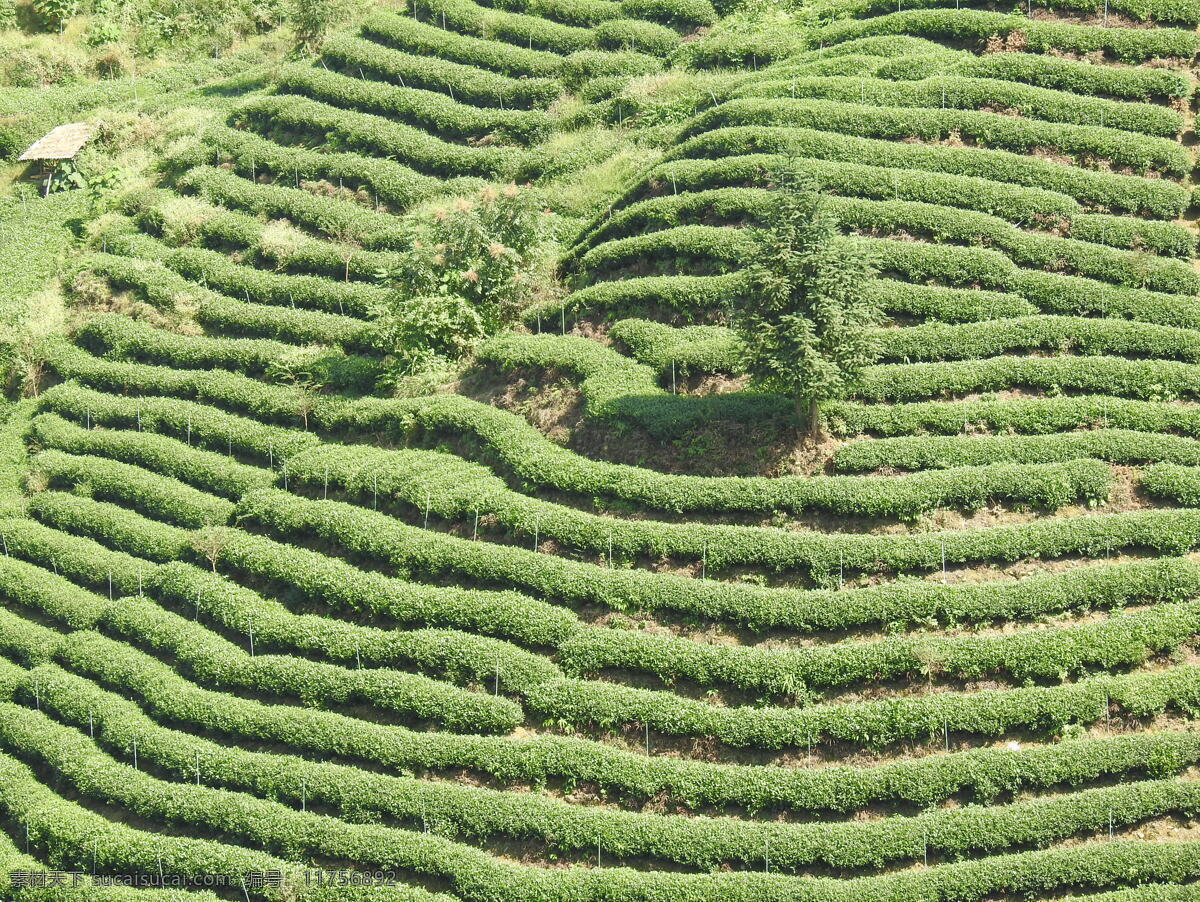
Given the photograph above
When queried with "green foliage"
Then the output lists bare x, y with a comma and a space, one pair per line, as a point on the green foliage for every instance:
148, 493
1142, 379
414, 36
921, 452
381, 538
432, 111
973, 93
313, 19
275, 648
468, 267
813, 138
412, 67
1122, 640
419, 332
374, 136
1131, 45
806, 325
633, 34
1032, 415
56, 12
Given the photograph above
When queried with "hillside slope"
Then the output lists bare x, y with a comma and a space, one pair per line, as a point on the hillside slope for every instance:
580, 617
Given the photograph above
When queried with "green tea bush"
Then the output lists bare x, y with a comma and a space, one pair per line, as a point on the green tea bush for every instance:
376, 136
1050, 654
923, 452
412, 67
986, 130
157, 497
206, 470
1131, 45
1104, 191
975, 93
429, 110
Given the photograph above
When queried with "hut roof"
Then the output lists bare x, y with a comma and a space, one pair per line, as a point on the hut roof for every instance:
61, 143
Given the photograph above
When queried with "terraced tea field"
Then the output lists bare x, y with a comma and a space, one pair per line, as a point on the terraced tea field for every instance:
255, 623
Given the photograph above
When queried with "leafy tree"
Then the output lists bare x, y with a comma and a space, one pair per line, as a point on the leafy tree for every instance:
56, 11
469, 265
103, 186
425, 330
313, 19
807, 322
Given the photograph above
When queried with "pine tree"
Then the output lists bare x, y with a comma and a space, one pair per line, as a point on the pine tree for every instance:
808, 322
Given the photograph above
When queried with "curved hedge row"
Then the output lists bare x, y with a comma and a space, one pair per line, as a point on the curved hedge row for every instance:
376, 136
1130, 83
1022, 415
207, 426
83, 560
157, 285
1116, 445
212, 659
1052, 654
984, 772
704, 349
880, 723
383, 538
206, 470
75, 833
700, 247
1172, 482
470, 18
150, 494
958, 92
1001, 135
633, 295
1017, 203
1114, 375
718, 349
939, 222
1186, 12
703, 843
329, 581
225, 229
1050, 291
1074, 76
1133, 269
410, 35
166, 288
254, 155
373, 229
274, 403
1131, 45
430, 73
476, 875
455, 489
1165, 238
1159, 198
1014, 203
429, 110
297, 327
1108, 444
1083, 335
451, 655
124, 338
94, 775
118, 528
523, 451
71, 751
